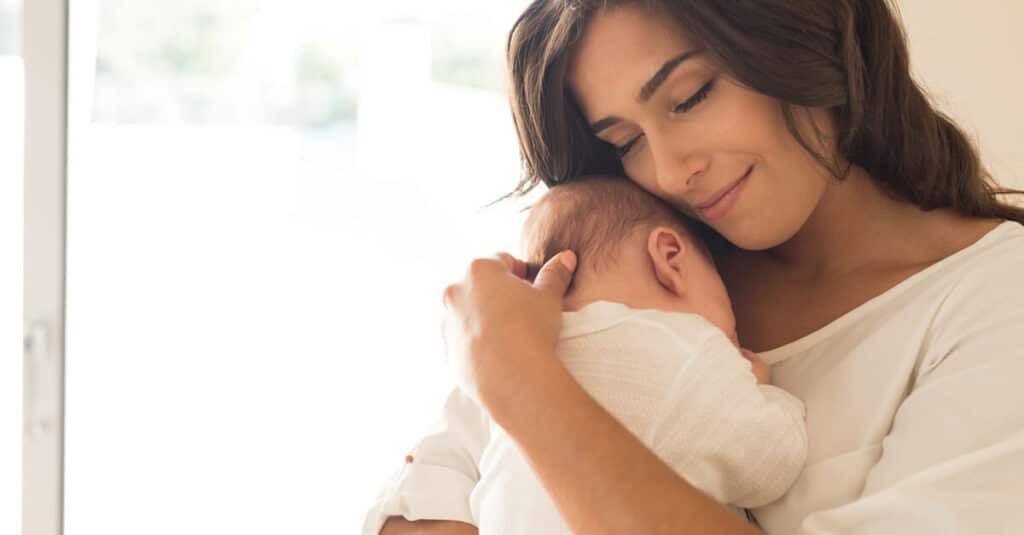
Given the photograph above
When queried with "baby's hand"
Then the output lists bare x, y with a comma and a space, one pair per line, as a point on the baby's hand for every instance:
761, 370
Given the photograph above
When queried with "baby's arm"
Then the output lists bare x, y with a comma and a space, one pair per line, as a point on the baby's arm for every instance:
762, 372
740, 441
692, 398
439, 473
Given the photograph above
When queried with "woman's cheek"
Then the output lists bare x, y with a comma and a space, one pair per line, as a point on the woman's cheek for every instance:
640, 170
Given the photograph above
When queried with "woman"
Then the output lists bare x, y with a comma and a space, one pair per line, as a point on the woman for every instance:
867, 255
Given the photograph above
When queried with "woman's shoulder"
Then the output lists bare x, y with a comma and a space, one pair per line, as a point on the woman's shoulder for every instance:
973, 289
997, 257
982, 311
982, 278
968, 254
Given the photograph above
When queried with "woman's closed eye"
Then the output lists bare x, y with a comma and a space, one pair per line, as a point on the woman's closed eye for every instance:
623, 150
682, 107
697, 97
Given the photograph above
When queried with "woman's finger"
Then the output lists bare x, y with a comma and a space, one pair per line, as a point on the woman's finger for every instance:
554, 277
515, 265
449, 294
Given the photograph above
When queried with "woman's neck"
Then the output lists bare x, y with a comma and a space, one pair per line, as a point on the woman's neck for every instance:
855, 224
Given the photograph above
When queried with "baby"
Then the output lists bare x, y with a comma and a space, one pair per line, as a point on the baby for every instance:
648, 331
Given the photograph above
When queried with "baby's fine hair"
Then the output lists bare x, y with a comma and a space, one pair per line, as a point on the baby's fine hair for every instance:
593, 215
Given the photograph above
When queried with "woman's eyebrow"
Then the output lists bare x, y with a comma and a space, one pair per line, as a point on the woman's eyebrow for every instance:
605, 124
652, 85
647, 91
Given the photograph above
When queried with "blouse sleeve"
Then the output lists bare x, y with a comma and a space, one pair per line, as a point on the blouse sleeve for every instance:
440, 472
953, 461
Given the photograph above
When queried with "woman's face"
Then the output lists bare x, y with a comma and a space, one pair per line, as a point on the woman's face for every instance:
691, 135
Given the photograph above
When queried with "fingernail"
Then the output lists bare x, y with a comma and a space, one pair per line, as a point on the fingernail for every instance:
568, 260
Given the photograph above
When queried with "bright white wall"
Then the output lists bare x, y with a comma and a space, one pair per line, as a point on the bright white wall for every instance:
970, 55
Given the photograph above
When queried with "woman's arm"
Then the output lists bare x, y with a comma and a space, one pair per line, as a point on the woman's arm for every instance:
397, 525
501, 331
601, 477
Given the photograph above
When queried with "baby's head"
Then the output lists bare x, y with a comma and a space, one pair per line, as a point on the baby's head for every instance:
632, 248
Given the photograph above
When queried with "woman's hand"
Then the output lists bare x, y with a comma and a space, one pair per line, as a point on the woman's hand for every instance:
499, 328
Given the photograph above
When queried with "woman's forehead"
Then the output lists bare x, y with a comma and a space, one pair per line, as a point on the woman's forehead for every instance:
621, 48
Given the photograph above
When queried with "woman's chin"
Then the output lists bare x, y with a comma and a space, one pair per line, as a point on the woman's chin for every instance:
754, 237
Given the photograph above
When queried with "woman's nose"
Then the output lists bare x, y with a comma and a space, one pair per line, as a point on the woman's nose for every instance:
678, 169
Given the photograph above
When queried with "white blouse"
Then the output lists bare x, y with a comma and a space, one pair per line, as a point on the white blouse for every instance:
914, 409
915, 404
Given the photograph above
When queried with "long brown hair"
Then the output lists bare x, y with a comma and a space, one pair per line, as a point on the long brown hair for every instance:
848, 56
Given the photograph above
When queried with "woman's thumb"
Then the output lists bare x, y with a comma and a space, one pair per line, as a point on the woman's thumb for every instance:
556, 274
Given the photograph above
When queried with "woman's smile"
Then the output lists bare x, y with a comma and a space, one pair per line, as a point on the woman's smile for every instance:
722, 202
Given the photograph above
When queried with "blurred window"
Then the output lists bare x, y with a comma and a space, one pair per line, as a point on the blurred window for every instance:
12, 111
266, 200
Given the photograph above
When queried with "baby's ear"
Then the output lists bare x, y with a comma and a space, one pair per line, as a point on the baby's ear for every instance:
668, 251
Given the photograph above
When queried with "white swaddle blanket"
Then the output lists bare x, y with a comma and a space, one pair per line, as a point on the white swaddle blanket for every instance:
674, 380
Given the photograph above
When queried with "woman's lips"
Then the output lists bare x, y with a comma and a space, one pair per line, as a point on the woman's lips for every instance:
726, 200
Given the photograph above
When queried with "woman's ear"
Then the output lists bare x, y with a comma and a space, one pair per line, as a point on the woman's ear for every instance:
668, 250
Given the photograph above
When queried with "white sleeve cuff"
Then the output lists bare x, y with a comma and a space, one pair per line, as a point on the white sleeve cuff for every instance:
423, 492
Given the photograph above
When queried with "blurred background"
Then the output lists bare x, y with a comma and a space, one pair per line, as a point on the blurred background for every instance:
11, 269
266, 199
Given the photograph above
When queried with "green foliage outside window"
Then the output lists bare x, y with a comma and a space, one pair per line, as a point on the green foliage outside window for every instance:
199, 62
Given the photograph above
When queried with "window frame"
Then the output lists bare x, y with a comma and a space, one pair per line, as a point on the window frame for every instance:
45, 54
